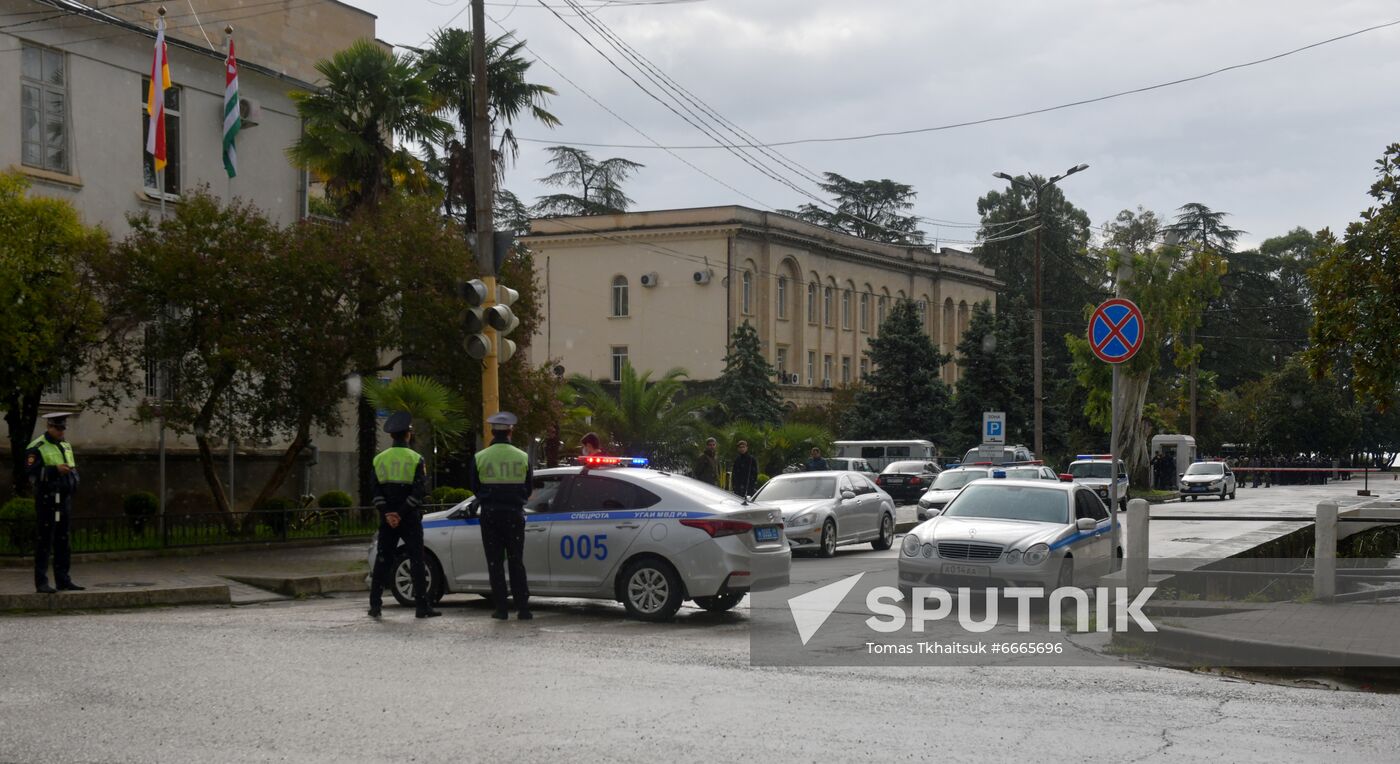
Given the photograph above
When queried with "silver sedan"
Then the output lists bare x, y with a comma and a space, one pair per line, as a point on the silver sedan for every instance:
824, 509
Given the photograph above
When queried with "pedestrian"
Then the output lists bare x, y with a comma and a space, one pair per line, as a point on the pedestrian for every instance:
1156, 471
53, 479
707, 466
590, 445
501, 478
816, 463
745, 478
400, 490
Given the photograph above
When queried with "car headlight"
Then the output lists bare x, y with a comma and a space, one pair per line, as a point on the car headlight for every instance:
911, 546
1036, 555
924, 503
928, 550
801, 520
1215, 483
1013, 557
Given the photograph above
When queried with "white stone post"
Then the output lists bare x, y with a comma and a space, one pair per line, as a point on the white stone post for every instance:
1137, 551
1325, 552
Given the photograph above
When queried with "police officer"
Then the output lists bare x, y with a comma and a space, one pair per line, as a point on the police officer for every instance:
53, 476
501, 477
400, 486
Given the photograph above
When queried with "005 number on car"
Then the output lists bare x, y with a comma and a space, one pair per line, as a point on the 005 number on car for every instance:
584, 547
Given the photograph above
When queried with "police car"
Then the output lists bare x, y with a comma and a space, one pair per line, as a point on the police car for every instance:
1096, 472
611, 528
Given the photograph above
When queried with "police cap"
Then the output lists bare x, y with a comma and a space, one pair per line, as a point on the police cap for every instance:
57, 419
501, 420
399, 421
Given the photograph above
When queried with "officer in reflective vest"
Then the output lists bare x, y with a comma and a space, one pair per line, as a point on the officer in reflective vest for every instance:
400, 487
53, 476
501, 477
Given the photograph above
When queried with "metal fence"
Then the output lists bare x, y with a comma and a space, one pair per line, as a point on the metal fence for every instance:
90, 533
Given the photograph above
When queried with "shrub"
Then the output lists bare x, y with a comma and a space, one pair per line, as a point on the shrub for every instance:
17, 523
446, 494
335, 500
274, 512
138, 508
762, 478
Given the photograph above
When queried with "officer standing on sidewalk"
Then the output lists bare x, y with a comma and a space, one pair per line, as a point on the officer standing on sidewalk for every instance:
501, 478
53, 476
400, 487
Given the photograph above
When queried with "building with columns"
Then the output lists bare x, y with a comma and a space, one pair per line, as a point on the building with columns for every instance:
667, 288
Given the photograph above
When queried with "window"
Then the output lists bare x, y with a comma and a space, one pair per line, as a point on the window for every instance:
172, 141
782, 364
826, 306
864, 312
846, 309
60, 391
880, 319
157, 374
826, 371
619, 359
543, 493
782, 297
748, 292
44, 109
811, 366
594, 492
864, 368
923, 314
1088, 505
845, 370
619, 296
812, 303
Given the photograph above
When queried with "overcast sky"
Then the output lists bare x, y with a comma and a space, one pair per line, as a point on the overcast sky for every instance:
1286, 143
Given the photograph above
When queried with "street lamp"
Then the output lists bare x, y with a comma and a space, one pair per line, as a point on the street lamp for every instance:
1038, 188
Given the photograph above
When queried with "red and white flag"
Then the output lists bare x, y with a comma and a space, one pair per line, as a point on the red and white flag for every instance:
155, 99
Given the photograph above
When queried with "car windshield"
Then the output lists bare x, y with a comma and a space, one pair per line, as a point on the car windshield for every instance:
1023, 473
948, 481
838, 463
1091, 470
1205, 468
905, 467
1011, 502
789, 489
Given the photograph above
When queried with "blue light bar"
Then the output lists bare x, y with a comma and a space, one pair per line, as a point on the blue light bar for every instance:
998, 473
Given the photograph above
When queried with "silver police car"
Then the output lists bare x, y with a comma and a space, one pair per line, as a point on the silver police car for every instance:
647, 538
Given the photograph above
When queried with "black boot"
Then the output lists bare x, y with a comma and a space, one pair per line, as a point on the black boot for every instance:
376, 603
426, 611
71, 587
44, 588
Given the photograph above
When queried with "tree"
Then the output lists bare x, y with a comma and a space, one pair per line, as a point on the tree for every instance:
371, 98
599, 184
746, 389
870, 209
903, 396
446, 65
1198, 226
992, 355
1357, 286
645, 418
51, 316
432, 405
775, 446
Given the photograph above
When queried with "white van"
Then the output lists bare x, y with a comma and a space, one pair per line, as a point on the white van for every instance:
881, 452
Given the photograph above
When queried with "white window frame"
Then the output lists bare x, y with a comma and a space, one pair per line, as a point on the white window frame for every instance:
59, 391
827, 304
812, 290
782, 297
812, 367
620, 297
846, 309
845, 370
172, 146
747, 280
46, 89
619, 359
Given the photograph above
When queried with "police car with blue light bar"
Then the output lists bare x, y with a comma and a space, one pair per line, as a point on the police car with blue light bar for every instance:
611, 528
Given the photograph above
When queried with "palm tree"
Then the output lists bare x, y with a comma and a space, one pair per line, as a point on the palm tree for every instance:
645, 418
447, 67
371, 98
429, 402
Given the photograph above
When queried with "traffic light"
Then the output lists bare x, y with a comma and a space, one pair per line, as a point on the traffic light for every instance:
477, 344
504, 321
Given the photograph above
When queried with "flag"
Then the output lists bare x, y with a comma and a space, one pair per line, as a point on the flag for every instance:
155, 99
232, 121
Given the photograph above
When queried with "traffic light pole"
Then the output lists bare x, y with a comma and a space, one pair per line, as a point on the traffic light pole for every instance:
481, 162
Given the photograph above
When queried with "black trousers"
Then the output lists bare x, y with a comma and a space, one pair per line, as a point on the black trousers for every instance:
410, 532
503, 539
52, 538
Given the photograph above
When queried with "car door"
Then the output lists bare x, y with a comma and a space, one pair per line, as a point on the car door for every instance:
592, 535
872, 505
850, 518
1093, 556
469, 556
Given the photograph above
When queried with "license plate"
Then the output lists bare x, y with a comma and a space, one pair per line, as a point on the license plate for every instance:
1196, 488
766, 533
953, 569
894, 480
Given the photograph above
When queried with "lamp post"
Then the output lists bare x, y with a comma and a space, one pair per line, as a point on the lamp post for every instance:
1038, 188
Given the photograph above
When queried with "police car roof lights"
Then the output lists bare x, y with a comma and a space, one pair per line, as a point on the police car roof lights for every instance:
595, 462
998, 473
1093, 456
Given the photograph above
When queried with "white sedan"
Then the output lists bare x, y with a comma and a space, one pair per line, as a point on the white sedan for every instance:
824, 509
1208, 479
647, 538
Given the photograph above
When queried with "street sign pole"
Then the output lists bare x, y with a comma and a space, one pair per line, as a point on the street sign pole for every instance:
1116, 331
1113, 468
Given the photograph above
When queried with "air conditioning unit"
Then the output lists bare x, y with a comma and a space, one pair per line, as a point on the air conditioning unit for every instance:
650, 280
703, 277
793, 379
249, 111
826, 382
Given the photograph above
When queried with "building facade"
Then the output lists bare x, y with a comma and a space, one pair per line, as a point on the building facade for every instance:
667, 289
77, 78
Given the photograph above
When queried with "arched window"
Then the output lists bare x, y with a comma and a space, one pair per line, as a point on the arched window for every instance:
782, 297
826, 306
845, 309
864, 312
811, 303
619, 296
748, 292
880, 316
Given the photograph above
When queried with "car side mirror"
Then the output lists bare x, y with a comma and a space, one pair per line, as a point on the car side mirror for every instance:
1181, 474
1086, 523
1122, 476
848, 495
1065, 477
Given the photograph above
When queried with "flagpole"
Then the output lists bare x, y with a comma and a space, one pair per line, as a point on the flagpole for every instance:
160, 193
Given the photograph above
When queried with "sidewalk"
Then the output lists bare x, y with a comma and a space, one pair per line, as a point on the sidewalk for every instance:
220, 578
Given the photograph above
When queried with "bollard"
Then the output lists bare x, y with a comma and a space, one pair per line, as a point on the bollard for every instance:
1137, 552
1325, 552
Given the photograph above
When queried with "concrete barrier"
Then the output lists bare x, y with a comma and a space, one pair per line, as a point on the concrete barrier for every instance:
1325, 552
1139, 520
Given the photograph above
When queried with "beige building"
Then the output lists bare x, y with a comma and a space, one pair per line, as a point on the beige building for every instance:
667, 288
77, 79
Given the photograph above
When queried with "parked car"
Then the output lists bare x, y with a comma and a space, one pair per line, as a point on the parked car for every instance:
1029, 472
906, 481
853, 465
945, 487
1208, 479
1096, 472
822, 510
1017, 453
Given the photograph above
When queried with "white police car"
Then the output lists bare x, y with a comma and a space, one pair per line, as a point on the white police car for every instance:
1096, 472
613, 529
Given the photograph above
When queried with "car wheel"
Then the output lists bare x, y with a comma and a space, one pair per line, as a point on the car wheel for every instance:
651, 590
1066, 576
828, 542
720, 602
886, 539
401, 584
1117, 560
1232, 495
1193, 498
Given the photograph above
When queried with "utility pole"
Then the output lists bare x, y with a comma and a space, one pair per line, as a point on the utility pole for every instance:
1191, 429
481, 162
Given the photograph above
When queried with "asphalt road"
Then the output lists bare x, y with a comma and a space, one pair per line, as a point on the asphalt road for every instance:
317, 680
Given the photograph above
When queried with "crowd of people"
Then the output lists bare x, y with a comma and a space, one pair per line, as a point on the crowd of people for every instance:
1257, 471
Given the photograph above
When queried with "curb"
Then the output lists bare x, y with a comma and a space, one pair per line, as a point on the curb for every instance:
26, 561
101, 600
307, 586
905, 527
1186, 646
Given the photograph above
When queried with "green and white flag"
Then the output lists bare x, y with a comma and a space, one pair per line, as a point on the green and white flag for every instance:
232, 121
